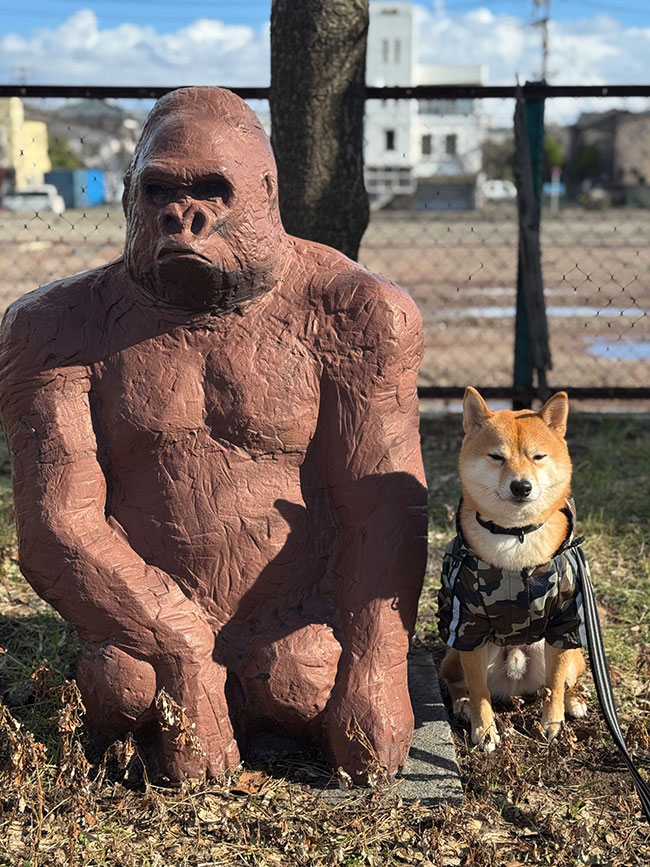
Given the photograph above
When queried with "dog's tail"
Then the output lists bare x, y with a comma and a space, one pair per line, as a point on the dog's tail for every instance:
516, 663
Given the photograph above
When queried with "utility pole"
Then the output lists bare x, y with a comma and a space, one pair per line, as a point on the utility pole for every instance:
532, 351
541, 19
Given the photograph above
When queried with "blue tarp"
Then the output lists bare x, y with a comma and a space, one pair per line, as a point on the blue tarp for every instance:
80, 188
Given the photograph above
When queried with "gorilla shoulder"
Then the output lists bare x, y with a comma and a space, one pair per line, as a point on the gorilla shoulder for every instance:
363, 308
52, 325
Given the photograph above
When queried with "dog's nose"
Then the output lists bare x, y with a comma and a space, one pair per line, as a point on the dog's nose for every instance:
521, 487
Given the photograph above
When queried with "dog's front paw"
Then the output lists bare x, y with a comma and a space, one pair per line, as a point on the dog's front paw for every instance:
552, 729
487, 738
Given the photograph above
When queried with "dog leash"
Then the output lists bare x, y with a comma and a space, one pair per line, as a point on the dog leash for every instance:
600, 671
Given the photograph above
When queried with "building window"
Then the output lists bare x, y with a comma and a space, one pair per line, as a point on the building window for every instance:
398, 51
426, 145
384, 50
451, 144
390, 139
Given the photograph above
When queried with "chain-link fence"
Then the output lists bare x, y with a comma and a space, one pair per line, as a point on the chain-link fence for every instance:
444, 224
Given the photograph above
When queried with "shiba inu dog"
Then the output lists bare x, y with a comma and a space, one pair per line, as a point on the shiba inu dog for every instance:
510, 606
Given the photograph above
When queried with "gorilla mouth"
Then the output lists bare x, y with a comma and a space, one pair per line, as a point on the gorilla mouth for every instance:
185, 279
176, 252
187, 268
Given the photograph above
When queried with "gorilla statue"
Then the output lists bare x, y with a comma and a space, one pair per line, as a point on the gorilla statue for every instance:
217, 468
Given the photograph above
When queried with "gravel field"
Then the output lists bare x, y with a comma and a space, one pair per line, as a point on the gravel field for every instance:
461, 269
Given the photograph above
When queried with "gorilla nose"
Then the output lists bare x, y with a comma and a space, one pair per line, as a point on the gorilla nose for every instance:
521, 487
198, 223
192, 222
171, 224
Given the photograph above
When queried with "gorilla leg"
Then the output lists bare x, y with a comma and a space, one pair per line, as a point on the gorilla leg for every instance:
289, 680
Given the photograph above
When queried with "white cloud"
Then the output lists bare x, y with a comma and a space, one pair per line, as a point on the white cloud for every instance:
79, 52
596, 50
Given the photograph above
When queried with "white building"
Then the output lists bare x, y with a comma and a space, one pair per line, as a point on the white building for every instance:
430, 150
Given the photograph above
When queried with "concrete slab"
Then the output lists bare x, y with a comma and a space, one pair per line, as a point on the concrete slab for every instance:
430, 774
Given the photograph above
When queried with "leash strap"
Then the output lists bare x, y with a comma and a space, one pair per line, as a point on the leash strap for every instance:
600, 671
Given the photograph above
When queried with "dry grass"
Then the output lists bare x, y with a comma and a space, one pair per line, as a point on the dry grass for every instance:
66, 800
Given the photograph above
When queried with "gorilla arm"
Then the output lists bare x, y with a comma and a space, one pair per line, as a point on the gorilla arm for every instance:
82, 565
374, 470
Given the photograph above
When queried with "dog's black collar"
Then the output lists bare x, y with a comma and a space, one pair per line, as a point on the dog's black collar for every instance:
519, 532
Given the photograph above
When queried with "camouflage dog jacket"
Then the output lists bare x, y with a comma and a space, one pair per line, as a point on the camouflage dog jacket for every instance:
478, 602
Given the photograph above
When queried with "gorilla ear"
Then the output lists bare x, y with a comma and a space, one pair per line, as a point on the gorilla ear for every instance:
127, 190
271, 190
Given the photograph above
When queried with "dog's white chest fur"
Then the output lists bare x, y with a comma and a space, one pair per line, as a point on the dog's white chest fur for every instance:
507, 552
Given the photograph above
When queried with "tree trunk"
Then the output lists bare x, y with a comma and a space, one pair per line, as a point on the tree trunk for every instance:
318, 58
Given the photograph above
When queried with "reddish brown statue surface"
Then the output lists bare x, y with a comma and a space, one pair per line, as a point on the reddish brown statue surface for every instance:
217, 468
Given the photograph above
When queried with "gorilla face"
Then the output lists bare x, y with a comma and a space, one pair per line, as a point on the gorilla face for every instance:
203, 231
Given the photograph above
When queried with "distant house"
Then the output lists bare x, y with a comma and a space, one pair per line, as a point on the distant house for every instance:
101, 134
24, 155
428, 152
612, 150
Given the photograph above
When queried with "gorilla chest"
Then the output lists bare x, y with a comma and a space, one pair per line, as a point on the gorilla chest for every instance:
258, 393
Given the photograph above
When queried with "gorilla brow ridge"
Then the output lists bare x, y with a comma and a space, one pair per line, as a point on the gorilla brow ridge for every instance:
220, 104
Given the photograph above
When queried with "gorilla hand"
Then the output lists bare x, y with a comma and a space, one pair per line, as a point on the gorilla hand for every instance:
197, 737
367, 729
123, 693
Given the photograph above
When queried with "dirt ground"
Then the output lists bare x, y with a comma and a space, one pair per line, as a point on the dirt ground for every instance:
460, 268
67, 802
462, 272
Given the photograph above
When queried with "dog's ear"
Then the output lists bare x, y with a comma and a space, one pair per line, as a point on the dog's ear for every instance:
475, 410
555, 412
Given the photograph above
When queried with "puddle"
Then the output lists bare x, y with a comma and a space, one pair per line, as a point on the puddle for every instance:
555, 311
621, 350
604, 312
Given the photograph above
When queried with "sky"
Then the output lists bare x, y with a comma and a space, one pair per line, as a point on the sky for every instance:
176, 42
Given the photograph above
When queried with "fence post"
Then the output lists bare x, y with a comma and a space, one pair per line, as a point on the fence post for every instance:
531, 330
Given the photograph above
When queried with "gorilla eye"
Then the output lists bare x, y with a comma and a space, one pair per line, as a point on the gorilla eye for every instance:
218, 188
538, 457
160, 194
498, 458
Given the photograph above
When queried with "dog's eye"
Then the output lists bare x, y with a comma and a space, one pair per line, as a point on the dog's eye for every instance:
499, 458
538, 457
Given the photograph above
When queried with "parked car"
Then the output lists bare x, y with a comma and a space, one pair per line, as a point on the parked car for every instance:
44, 197
595, 199
497, 190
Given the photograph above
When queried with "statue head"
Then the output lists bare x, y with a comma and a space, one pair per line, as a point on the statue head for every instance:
203, 224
